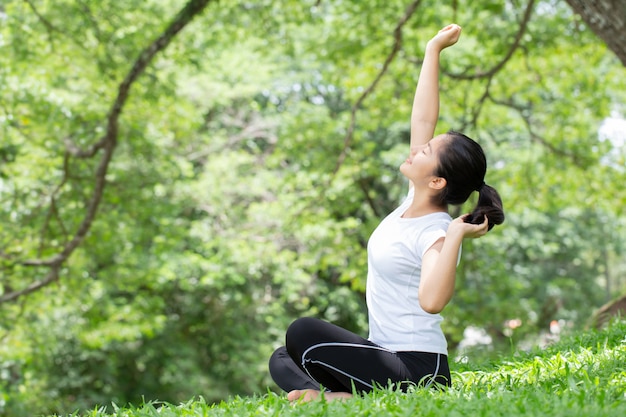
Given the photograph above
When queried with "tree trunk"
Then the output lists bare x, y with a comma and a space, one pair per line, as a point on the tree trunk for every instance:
607, 19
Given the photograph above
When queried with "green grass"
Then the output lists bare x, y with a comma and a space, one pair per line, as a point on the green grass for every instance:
584, 375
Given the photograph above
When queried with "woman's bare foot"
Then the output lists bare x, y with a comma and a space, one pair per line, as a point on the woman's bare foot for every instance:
306, 395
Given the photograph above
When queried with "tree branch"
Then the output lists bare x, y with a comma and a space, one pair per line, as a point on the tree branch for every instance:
53, 275
477, 108
109, 142
516, 43
50, 28
364, 186
90, 152
521, 110
397, 44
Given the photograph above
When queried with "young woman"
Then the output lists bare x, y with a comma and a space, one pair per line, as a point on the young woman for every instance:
412, 259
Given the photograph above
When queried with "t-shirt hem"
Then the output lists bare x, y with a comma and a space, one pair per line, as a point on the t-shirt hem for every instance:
412, 348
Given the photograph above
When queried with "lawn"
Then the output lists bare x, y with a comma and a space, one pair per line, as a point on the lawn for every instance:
582, 375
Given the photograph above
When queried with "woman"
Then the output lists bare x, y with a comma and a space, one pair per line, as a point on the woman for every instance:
412, 259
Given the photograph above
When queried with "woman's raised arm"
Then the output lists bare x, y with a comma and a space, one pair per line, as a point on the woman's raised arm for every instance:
426, 102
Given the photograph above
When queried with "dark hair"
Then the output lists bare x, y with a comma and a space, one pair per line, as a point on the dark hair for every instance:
463, 164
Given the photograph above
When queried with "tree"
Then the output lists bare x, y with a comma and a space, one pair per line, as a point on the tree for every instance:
104, 145
606, 19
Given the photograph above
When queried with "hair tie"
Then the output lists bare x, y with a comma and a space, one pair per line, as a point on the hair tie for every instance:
480, 187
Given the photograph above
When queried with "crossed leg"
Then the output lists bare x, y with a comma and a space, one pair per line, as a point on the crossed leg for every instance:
321, 355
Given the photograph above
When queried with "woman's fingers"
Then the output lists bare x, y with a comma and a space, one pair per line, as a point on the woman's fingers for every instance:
448, 36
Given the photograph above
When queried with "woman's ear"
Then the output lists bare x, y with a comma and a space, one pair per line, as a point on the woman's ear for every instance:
438, 183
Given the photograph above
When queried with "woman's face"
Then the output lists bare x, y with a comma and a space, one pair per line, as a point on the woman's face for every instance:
422, 163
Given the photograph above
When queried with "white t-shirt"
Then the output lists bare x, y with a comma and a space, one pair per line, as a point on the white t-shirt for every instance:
394, 253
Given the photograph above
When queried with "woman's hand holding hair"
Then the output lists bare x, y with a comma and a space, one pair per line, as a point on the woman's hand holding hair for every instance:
468, 230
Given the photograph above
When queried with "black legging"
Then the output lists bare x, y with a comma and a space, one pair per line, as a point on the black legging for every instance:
319, 354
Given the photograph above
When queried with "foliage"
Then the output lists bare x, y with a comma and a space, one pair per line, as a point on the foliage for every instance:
239, 197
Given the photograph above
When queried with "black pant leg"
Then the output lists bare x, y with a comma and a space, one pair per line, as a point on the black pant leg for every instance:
339, 359
287, 374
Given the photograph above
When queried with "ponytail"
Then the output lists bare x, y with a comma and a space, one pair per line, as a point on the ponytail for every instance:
489, 204
462, 163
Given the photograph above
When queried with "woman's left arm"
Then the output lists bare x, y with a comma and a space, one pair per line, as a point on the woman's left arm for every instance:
439, 264
425, 111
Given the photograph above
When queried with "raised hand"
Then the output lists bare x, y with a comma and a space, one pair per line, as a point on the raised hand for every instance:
447, 36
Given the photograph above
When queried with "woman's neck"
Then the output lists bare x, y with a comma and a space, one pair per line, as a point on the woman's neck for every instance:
422, 205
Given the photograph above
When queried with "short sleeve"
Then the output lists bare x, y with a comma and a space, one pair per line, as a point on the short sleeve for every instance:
433, 234
429, 236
